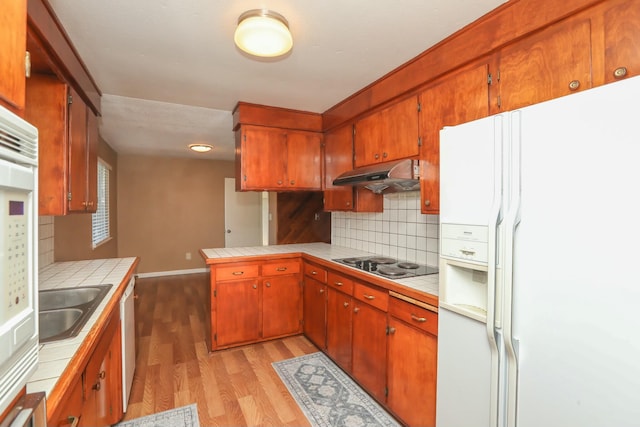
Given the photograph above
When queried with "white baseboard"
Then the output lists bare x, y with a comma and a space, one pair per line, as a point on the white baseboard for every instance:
171, 273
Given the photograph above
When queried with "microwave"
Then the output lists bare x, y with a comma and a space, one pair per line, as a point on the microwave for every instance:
18, 255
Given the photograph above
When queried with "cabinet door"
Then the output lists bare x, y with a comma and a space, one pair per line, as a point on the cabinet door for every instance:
71, 409
304, 153
78, 154
370, 348
550, 64
92, 161
455, 99
339, 314
237, 312
315, 303
281, 306
388, 134
13, 39
261, 154
412, 374
338, 158
621, 39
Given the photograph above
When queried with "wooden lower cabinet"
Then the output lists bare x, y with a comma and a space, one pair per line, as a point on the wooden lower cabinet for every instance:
255, 301
412, 374
237, 312
281, 306
339, 320
369, 348
315, 306
96, 398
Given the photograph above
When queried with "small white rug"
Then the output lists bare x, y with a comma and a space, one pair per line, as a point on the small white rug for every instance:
329, 397
185, 416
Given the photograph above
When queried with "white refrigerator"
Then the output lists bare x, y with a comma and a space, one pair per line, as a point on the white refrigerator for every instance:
539, 320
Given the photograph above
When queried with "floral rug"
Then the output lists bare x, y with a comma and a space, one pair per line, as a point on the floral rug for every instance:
328, 396
185, 416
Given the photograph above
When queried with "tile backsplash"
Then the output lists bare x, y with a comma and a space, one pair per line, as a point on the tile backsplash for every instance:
45, 241
400, 231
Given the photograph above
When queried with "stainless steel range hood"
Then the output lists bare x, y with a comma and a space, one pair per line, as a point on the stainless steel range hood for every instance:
388, 177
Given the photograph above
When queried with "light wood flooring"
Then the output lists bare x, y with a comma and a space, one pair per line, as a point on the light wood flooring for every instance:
235, 387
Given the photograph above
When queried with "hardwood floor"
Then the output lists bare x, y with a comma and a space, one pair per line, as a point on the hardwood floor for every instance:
235, 387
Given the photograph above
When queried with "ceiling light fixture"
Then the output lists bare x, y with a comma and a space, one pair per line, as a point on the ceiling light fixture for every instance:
200, 148
263, 32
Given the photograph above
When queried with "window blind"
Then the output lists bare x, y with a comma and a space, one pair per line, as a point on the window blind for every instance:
100, 219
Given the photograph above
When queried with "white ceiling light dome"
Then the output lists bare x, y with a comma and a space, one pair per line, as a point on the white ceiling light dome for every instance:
263, 32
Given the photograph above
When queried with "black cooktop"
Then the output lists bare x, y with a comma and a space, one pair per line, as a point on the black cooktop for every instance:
389, 268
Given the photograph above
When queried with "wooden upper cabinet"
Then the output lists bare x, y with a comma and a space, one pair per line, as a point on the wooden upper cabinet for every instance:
455, 99
549, 64
270, 158
388, 134
13, 42
338, 158
67, 149
304, 160
621, 35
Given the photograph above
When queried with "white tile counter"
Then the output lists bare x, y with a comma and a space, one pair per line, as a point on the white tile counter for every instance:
327, 252
55, 356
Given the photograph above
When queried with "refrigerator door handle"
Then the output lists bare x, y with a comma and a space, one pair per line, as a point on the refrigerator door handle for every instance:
512, 219
492, 303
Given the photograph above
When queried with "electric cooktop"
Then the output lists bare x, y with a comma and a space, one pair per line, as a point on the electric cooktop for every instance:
390, 268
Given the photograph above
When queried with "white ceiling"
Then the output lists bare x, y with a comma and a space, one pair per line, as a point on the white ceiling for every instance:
170, 74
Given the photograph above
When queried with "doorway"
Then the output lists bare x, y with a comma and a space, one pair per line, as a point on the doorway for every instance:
244, 217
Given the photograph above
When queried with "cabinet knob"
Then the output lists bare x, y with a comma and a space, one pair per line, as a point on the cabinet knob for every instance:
346, 304
357, 309
293, 182
376, 156
620, 72
96, 386
391, 330
73, 420
255, 286
427, 202
574, 84
384, 155
102, 375
268, 284
279, 182
322, 291
348, 203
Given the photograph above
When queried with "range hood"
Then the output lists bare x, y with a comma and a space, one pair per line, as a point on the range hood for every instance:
388, 177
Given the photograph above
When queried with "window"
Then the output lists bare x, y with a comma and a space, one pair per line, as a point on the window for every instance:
100, 232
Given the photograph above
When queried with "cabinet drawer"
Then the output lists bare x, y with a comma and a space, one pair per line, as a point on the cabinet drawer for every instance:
280, 268
414, 315
318, 273
373, 296
340, 282
237, 271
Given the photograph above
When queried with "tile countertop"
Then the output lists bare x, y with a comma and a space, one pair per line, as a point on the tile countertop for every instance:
55, 356
327, 252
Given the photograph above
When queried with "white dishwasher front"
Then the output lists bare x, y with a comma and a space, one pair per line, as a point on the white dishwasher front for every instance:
128, 324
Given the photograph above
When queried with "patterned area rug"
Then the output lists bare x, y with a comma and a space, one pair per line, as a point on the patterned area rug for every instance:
327, 396
185, 416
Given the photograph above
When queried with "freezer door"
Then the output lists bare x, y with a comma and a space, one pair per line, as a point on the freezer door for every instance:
464, 375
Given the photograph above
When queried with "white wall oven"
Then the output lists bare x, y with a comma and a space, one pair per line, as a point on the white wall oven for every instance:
18, 254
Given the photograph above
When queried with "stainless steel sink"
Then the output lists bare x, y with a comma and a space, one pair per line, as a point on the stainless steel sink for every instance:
63, 312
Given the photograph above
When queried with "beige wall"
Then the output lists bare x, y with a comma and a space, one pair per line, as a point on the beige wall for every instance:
72, 233
168, 207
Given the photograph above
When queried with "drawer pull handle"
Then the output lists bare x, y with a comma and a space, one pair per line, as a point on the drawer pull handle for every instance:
313, 273
281, 269
418, 319
238, 273
467, 252
339, 283
369, 297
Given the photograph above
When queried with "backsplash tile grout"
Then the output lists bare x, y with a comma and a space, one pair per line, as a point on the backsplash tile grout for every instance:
400, 231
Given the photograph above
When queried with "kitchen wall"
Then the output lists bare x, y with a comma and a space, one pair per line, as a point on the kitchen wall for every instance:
73, 232
400, 231
169, 207
45, 241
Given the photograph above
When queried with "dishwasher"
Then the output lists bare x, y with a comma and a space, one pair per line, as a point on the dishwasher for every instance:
128, 325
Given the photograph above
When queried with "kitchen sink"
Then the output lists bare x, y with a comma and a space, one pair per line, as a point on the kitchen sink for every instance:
63, 312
